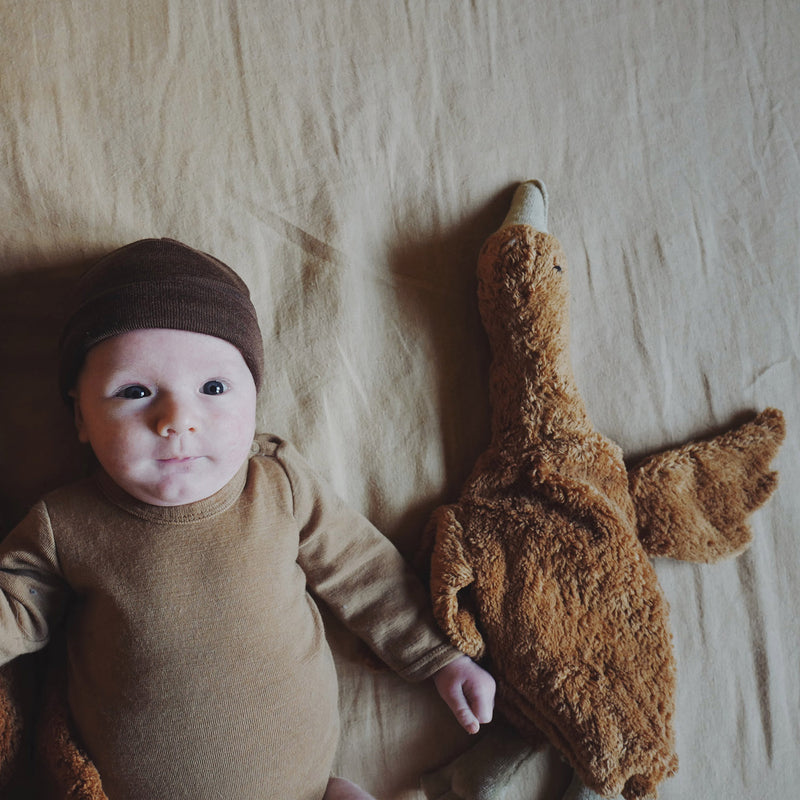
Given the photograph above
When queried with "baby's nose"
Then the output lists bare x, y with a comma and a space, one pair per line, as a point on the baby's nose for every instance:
175, 418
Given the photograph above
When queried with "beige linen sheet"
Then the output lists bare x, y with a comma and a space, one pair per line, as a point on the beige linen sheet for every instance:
348, 158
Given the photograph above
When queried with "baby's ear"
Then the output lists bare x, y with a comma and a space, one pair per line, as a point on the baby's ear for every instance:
78, 417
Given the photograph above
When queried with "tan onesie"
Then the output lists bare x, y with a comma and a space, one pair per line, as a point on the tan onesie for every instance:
197, 661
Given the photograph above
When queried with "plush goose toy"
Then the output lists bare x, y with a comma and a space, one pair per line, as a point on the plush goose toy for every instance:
541, 568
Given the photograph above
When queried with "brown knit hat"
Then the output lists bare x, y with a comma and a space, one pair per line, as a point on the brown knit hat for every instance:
158, 283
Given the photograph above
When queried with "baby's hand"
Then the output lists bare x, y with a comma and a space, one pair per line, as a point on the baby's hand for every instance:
469, 692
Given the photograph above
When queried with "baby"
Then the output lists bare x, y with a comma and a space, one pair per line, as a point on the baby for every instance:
183, 570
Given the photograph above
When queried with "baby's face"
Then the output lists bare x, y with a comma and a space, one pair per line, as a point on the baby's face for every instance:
170, 415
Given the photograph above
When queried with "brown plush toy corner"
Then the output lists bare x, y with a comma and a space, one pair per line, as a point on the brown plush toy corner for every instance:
541, 567
61, 769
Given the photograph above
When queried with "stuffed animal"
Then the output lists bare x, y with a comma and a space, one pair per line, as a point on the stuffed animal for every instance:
53, 766
541, 568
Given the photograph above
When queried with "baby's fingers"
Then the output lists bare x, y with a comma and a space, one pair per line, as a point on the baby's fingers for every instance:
468, 691
462, 710
479, 695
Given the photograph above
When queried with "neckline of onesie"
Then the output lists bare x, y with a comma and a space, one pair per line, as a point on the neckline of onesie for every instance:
172, 515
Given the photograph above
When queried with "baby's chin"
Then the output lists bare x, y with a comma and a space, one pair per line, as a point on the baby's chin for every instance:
179, 483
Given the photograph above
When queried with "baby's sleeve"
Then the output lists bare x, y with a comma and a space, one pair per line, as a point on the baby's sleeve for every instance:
32, 591
360, 575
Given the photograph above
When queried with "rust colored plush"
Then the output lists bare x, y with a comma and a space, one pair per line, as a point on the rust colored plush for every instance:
542, 567
61, 769
11, 725
67, 772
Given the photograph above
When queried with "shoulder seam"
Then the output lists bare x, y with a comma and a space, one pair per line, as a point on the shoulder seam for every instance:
276, 445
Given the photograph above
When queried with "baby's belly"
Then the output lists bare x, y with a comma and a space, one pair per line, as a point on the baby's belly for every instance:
220, 708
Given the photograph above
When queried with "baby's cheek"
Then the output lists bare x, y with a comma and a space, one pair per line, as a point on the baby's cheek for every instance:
239, 437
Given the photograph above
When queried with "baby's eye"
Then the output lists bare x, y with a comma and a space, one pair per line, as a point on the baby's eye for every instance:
213, 387
135, 392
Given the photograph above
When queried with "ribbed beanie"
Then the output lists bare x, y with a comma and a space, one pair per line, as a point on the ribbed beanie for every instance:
158, 283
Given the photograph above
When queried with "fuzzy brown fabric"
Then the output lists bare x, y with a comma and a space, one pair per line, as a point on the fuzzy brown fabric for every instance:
11, 724
67, 772
541, 566
708, 489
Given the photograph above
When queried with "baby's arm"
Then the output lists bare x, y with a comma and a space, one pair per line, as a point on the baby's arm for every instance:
469, 692
366, 583
32, 591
